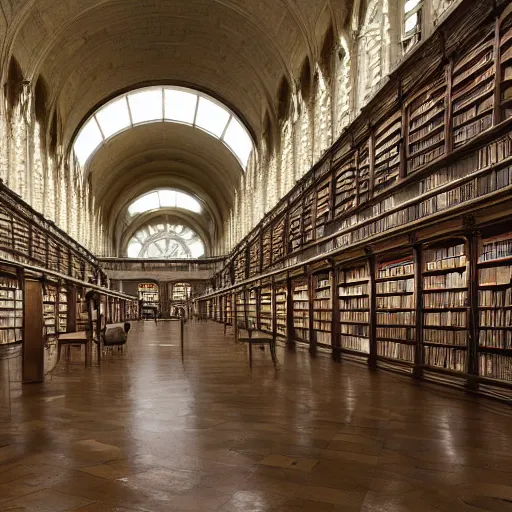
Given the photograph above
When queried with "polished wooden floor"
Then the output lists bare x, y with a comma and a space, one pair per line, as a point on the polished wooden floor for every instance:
152, 431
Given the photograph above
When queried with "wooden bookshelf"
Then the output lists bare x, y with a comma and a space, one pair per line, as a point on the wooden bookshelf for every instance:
265, 308
300, 301
255, 257
445, 305
267, 248
295, 227
395, 310
388, 137
505, 69
307, 223
251, 308
278, 239
281, 308
363, 172
472, 95
322, 206
228, 309
354, 309
426, 124
345, 184
241, 265
11, 308
322, 308
495, 307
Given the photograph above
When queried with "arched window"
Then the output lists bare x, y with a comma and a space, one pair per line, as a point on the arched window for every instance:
164, 104
412, 24
165, 198
165, 241
371, 54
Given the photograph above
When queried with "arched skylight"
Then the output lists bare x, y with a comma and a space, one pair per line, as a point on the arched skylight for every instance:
166, 241
163, 104
165, 198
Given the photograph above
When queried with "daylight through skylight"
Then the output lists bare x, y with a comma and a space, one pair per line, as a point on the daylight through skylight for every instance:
165, 198
163, 104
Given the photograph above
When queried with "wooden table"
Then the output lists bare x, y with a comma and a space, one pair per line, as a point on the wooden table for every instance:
76, 338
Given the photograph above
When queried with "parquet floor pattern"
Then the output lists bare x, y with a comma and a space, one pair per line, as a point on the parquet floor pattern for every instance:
151, 430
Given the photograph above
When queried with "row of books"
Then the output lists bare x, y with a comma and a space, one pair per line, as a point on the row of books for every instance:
396, 268
396, 333
495, 317
353, 303
451, 280
400, 286
495, 249
495, 366
445, 257
355, 330
445, 337
495, 338
446, 319
395, 302
396, 318
446, 299
500, 298
354, 316
394, 350
495, 276
355, 343
447, 358
324, 338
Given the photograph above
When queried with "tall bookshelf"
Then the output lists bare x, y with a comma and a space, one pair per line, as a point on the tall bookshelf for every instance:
307, 222
228, 309
323, 207
388, 137
240, 309
426, 114
445, 305
495, 308
473, 88
295, 227
322, 308
363, 171
50, 310
251, 308
505, 26
267, 247
345, 185
241, 265
280, 297
300, 301
278, 239
395, 310
354, 309
11, 310
254, 257
265, 308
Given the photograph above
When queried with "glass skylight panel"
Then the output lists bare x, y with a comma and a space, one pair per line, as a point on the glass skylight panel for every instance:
180, 106
87, 141
239, 141
197, 249
187, 203
410, 5
411, 23
211, 117
167, 198
144, 204
134, 249
146, 106
113, 117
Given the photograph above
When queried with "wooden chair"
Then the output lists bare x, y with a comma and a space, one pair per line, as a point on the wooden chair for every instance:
262, 342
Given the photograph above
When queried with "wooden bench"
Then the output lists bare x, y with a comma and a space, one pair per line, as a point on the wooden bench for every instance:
261, 341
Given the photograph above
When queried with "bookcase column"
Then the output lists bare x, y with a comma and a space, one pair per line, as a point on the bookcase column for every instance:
71, 310
418, 286
473, 242
335, 316
372, 358
33, 342
312, 335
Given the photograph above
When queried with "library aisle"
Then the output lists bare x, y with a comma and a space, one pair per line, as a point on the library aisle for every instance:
150, 431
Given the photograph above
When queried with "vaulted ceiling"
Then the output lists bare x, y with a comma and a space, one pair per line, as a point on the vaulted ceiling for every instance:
238, 51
